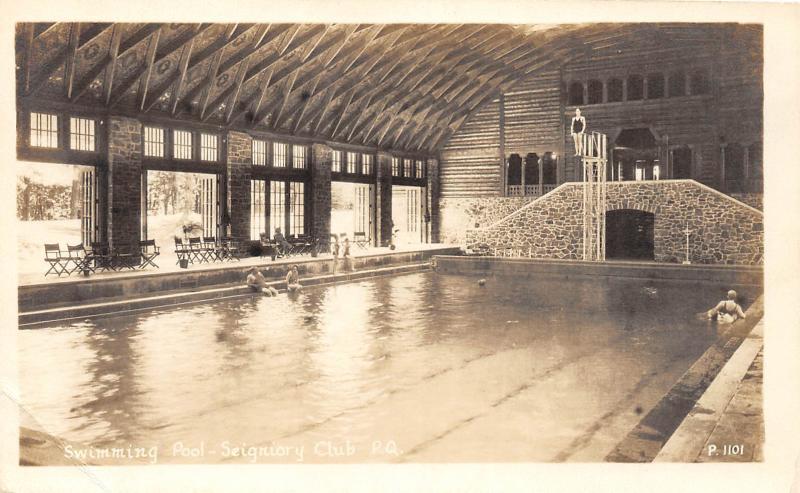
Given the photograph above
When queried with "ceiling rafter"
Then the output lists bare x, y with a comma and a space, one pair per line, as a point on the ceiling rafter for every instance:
72, 54
144, 81
25, 66
103, 65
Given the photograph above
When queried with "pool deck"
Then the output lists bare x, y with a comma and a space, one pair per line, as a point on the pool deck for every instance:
41, 299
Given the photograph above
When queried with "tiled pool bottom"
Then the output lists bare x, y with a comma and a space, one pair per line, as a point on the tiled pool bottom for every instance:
420, 368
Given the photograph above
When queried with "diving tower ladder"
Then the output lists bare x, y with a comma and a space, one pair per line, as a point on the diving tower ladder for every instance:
593, 151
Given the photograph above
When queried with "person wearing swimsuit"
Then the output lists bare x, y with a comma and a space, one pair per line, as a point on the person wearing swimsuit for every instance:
576, 130
727, 311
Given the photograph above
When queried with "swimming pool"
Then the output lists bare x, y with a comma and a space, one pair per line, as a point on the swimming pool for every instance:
422, 367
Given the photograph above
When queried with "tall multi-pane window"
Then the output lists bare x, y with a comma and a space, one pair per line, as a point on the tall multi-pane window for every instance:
366, 164
395, 166
279, 154
407, 167
259, 152
182, 145
44, 130
81, 134
153, 142
298, 157
208, 147
258, 211
419, 173
336, 162
277, 206
352, 162
297, 203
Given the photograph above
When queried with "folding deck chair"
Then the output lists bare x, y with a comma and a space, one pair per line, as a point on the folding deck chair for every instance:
360, 239
76, 255
52, 255
182, 251
149, 252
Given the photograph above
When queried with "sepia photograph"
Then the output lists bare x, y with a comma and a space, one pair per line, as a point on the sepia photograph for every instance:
430, 244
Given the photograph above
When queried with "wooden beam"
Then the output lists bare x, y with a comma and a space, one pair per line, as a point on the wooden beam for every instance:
91, 31
72, 53
321, 114
345, 106
304, 106
183, 68
144, 82
87, 80
140, 35
287, 91
27, 47
113, 51
266, 82
208, 84
240, 73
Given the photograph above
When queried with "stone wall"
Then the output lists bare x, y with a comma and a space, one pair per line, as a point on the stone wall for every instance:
124, 182
238, 183
321, 194
456, 215
752, 199
724, 231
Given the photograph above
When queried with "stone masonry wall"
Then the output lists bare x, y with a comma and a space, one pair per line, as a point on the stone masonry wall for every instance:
238, 179
321, 156
724, 231
124, 182
456, 215
752, 199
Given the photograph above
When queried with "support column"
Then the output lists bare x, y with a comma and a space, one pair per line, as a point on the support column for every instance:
383, 202
433, 200
321, 157
124, 183
238, 164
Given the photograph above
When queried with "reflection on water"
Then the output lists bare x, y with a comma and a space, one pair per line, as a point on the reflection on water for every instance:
419, 359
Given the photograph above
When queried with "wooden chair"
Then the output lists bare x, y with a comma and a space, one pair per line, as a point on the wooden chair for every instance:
182, 251
76, 255
52, 255
268, 247
197, 250
360, 239
149, 252
213, 251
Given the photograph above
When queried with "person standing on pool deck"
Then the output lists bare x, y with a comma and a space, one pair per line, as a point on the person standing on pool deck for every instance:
293, 279
257, 282
347, 261
335, 252
576, 129
727, 311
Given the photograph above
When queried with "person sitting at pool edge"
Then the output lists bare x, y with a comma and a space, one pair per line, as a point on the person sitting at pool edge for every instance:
293, 279
727, 311
257, 282
283, 246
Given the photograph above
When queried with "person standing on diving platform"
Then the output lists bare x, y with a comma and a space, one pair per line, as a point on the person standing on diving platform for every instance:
576, 129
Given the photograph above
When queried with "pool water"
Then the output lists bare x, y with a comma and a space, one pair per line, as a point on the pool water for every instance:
418, 368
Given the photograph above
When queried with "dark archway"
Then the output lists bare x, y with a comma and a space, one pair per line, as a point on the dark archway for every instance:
630, 234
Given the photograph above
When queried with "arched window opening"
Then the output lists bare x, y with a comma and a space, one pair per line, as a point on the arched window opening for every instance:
677, 84
514, 178
682, 163
576, 94
595, 92
655, 86
532, 169
635, 88
614, 90
549, 169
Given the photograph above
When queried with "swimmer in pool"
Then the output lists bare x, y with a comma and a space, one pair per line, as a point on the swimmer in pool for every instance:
727, 311
257, 282
293, 279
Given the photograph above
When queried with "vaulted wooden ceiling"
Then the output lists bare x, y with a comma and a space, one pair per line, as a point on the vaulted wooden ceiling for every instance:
396, 86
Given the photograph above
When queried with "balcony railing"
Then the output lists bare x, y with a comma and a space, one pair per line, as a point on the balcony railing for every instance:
530, 190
